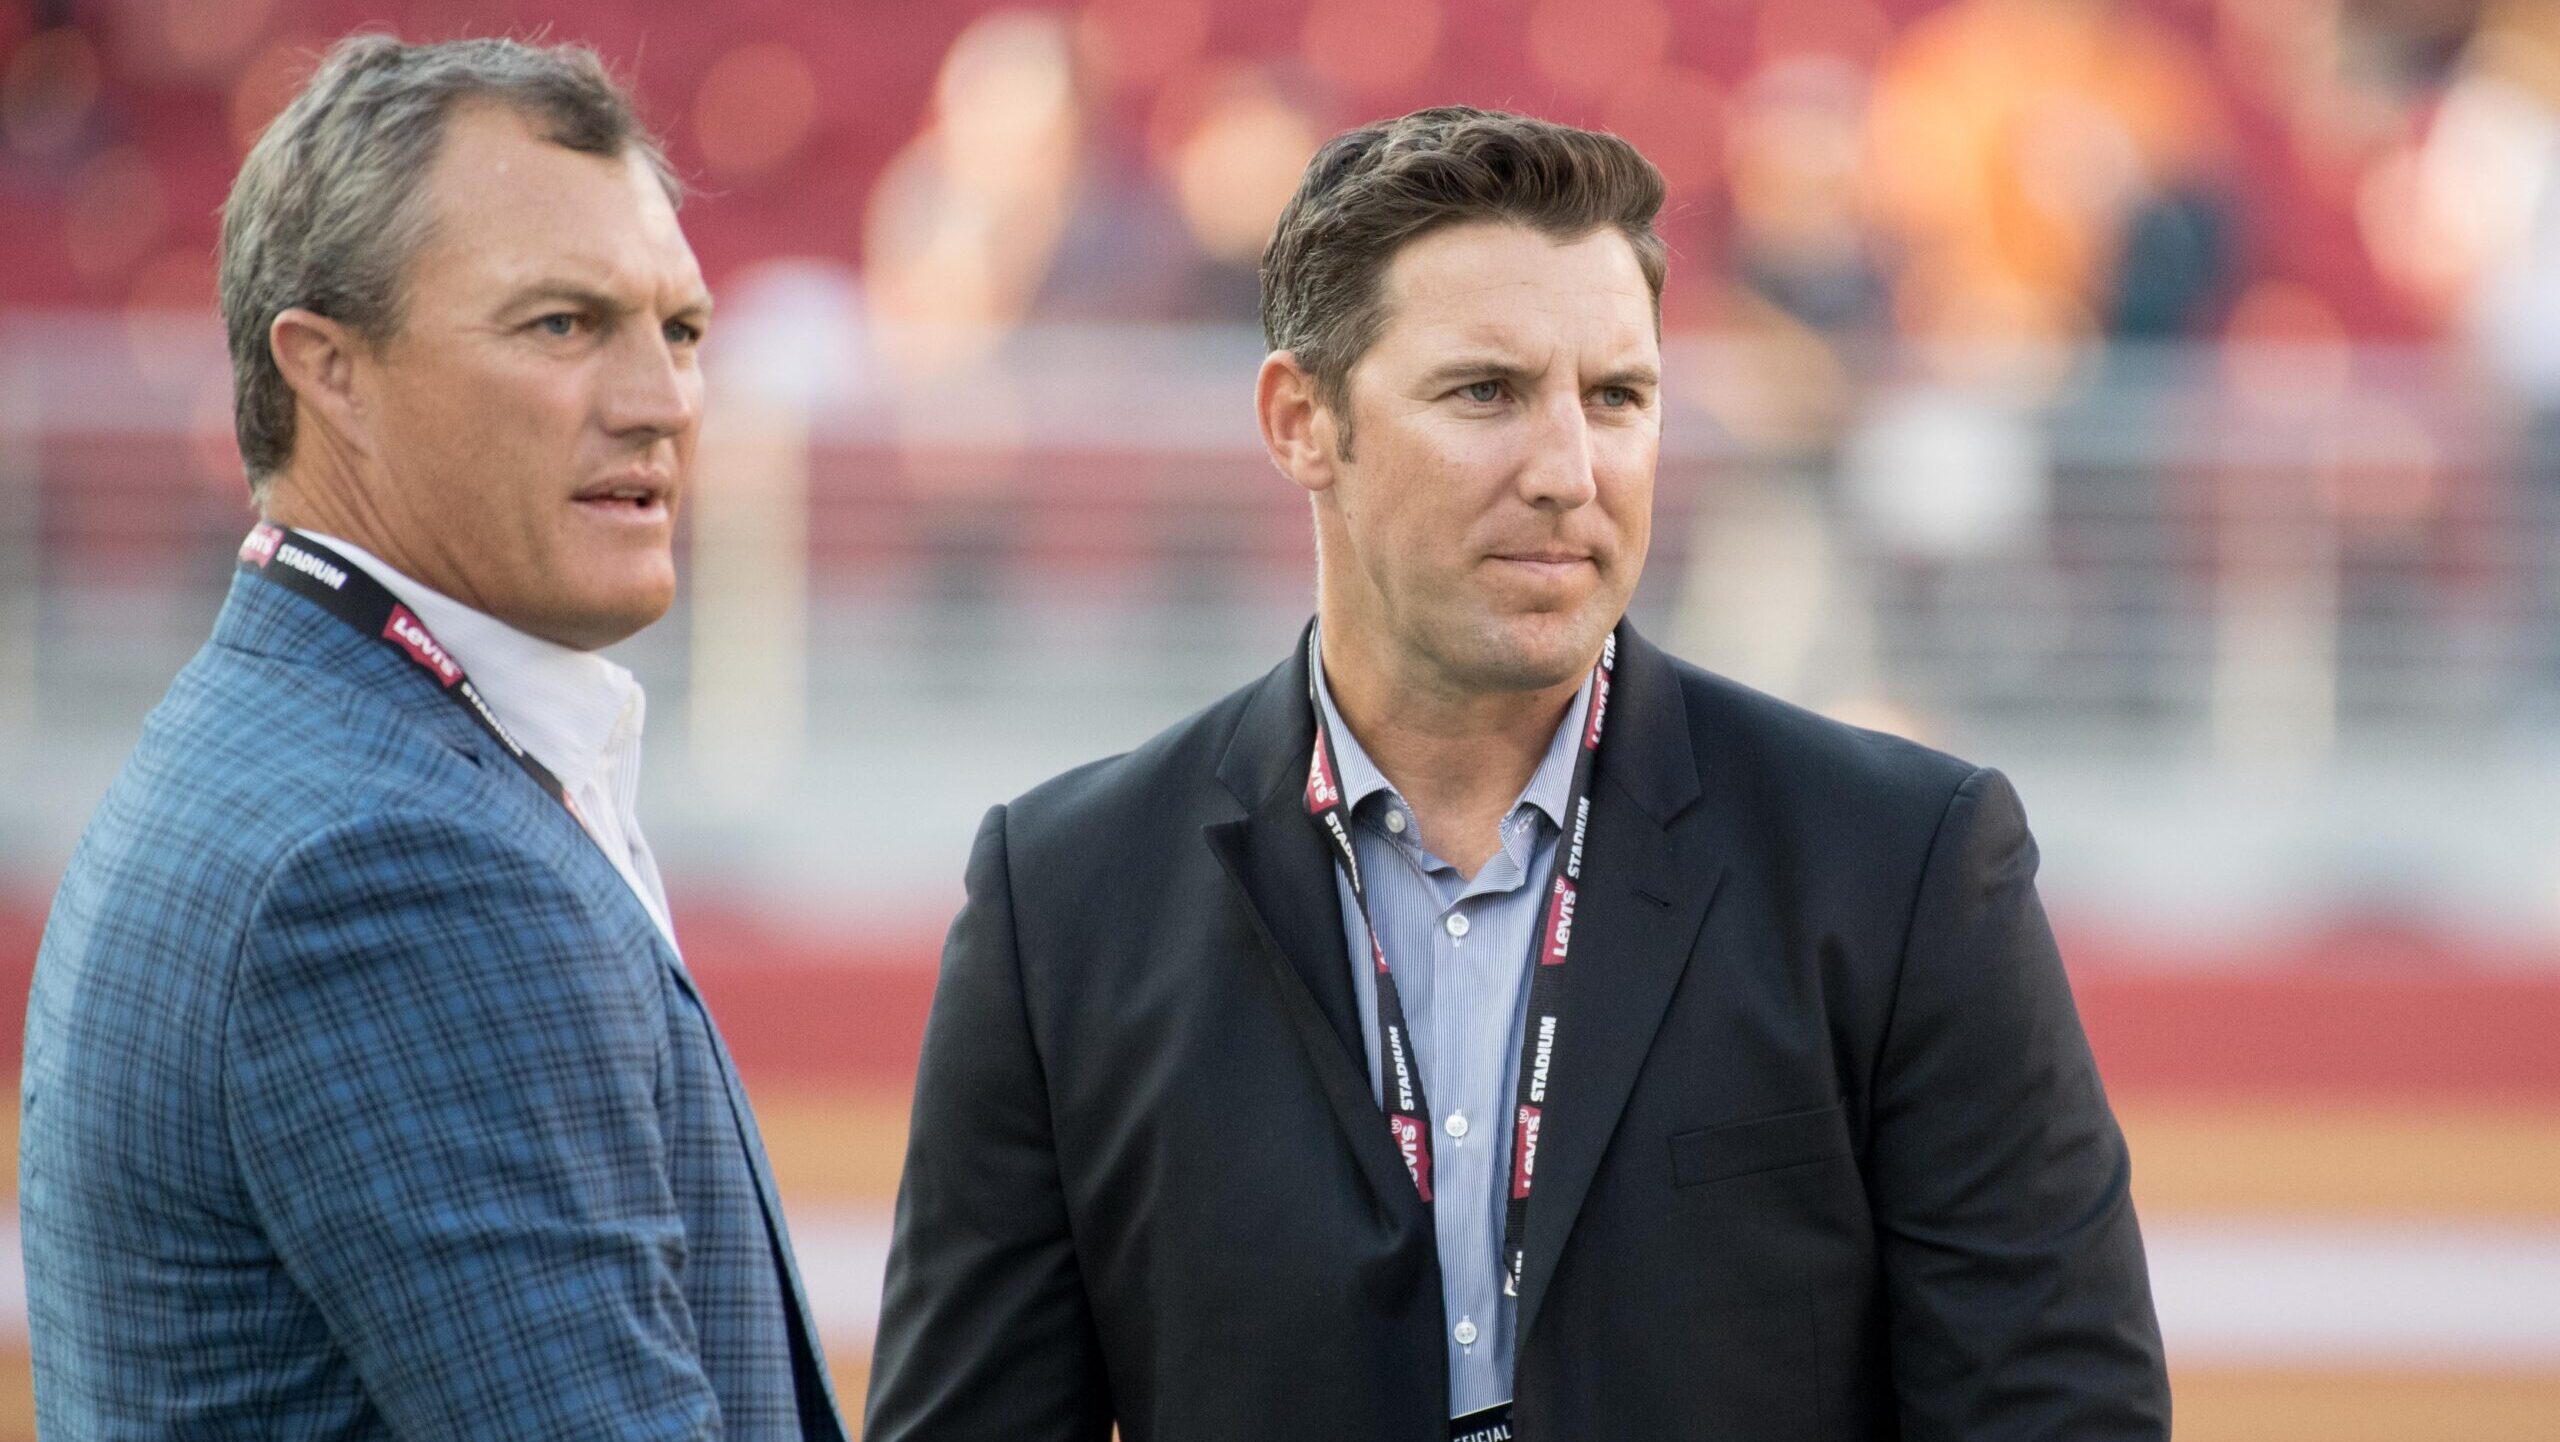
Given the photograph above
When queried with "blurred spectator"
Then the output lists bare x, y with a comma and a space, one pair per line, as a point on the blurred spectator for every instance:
2019, 145
1233, 145
966, 219
2488, 186
1021, 199
1803, 236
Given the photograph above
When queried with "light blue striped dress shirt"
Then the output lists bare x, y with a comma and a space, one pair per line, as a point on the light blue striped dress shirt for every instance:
1459, 949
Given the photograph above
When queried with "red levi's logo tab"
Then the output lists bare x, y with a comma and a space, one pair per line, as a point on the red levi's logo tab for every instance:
1559, 925
1322, 793
421, 644
1524, 1153
1599, 706
260, 547
1417, 1157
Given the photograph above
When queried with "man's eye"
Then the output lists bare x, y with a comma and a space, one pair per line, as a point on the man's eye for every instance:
1615, 397
1483, 393
682, 332
559, 323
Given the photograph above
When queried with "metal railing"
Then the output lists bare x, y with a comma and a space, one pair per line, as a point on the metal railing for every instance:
2272, 563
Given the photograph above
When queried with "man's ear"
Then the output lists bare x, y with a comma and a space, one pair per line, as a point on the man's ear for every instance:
318, 358
1298, 429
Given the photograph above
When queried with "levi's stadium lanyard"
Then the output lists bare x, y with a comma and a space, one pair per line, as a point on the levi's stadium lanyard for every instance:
303, 566
1408, 1114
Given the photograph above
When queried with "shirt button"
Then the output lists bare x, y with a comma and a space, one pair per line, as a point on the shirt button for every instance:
1465, 1332
1395, 821
1456, 1125
1457, 924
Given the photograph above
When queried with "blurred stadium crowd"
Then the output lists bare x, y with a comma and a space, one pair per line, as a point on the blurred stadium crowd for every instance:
2157, 398
2083, 301
2053, 170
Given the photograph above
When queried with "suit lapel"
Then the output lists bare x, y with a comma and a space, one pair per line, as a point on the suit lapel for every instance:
1647, 899
1651, 885
743, 1117
1284, 878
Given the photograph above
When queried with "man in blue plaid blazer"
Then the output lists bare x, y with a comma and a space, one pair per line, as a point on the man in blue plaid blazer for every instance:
366, 1094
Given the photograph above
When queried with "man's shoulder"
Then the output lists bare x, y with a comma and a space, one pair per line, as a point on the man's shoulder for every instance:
1749, 740
268, 804
1172, 776
251, 755
1141, 813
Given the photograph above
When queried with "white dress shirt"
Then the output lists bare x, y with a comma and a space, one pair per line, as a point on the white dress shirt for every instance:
576, 712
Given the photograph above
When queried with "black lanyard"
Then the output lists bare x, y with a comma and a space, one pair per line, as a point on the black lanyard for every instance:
303, 566
1408, 1115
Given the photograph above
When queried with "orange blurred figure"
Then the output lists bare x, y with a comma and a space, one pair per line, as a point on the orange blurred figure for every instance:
2012, 140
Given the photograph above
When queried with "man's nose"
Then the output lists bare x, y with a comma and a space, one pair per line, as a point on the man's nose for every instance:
1558, 473
650, 389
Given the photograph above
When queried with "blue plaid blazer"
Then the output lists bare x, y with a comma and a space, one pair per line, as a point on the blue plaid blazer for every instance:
362, 1099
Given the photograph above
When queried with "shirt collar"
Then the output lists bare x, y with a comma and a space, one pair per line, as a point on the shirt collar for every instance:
563, 705
1550, 786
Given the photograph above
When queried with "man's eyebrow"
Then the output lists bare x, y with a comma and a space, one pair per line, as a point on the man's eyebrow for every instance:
1483, 364
583, 296
588, 297
1638, 377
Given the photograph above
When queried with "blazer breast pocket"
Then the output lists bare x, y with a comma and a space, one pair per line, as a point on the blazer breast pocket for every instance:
1762, 1144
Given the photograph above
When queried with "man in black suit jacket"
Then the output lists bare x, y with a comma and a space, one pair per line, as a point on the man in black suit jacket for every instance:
1808, 1143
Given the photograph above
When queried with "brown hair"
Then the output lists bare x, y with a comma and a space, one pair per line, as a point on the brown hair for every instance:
327, 211
1370, 191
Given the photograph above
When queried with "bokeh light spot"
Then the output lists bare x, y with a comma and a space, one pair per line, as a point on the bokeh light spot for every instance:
1138, 43
114, 214
1238, 166
755, 107
48, 90
1004, 101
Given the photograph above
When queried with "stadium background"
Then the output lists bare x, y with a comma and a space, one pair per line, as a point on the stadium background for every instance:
2159, 399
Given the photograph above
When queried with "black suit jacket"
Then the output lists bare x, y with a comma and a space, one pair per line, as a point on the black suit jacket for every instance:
1828, 1157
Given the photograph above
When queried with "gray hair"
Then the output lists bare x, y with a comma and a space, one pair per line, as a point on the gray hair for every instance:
328, 209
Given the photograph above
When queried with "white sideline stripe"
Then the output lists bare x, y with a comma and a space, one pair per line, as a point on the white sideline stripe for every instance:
2445, 1293
842, 1253
2256, 1291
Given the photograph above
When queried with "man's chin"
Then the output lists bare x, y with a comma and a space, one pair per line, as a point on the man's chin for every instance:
598, 618
1535, 653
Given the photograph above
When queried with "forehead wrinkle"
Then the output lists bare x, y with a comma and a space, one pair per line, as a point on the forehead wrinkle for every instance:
1432, 304
489, 196
1494, 344
628, 280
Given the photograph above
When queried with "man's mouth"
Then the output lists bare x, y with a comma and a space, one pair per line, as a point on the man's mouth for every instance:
637, 498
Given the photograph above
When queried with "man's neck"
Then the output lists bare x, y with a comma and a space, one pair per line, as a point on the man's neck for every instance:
1459, 758
327, 501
